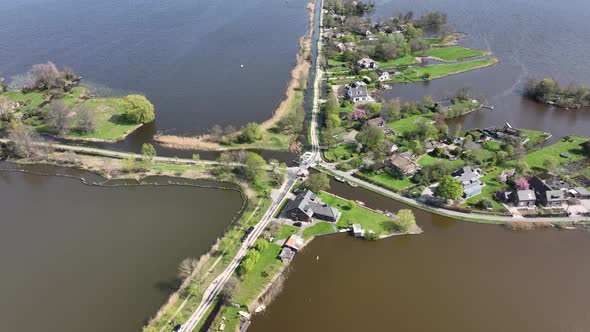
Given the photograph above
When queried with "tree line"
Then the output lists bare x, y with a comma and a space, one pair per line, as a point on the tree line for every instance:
547, 90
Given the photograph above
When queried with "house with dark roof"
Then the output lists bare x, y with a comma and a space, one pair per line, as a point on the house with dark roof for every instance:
581, 193
402, 165
308, 206
525, 198
546, 195
367, 63
380, 123
443, 104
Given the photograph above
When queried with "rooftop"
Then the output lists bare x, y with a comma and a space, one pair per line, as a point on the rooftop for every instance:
526, 195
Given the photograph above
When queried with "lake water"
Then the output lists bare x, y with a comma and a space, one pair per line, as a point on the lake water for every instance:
456, 276
184, 55
534, 39
83, 258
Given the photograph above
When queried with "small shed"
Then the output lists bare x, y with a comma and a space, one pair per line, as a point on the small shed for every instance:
286, 254
294, 242
581, 193
357, 230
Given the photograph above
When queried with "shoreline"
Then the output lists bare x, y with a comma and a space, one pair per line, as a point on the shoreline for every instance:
300, 71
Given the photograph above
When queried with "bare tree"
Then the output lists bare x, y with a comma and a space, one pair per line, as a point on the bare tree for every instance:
216, 131
226, 294
68, 73
5, 107
46, 76
229, 130
185, 269
23, 141
58, 118
86, 120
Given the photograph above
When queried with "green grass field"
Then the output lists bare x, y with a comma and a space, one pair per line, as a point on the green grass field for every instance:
427, 160
319, 228
406, 60
354, 214
286, 231
110, 119
342, 152
255, 280
536, 158
453, 53
32, 99
408, 124
442, 70
535, 136
387, 180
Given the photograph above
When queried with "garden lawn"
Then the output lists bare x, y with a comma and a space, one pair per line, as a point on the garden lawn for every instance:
33, 99
338, 70
442, 70
454, 53
353, 214
255, 280
536, 158
110, 120
342, 152
286, 231
427, 160
408, 124
535, 136
319, 228
492, 185
385, 179
406, 60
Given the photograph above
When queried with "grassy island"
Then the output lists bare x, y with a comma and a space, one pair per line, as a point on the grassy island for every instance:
53, 103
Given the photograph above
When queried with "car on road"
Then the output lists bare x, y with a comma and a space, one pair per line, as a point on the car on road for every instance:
248, 232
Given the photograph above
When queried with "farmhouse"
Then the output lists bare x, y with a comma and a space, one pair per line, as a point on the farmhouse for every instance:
308, 206
402, 165
469, 178
547, 196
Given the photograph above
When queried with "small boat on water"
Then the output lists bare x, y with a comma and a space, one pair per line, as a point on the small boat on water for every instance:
260, 308
361, 203
339, 179
352, 184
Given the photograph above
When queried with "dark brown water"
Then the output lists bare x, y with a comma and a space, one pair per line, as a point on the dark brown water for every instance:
82, 258
453, 277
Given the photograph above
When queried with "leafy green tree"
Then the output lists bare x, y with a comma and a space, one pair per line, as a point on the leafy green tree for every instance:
148, 151
522, 167
405, 219
138, 109
246, 265
449, 188
412, 32
371, 137
317, 182
390, 111
196, 157
254, 167
550, 164
250, 133
260, 245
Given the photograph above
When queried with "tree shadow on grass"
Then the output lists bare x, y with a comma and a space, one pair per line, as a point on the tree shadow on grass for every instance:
389, 226
120, 119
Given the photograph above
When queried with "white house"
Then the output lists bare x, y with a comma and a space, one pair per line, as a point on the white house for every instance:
367, 63
358, 92
383, 75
